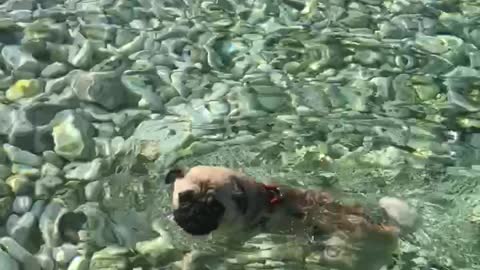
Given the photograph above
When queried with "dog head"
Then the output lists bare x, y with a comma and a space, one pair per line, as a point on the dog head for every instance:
205, 198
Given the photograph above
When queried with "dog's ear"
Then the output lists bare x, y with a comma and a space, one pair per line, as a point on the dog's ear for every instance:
173, 174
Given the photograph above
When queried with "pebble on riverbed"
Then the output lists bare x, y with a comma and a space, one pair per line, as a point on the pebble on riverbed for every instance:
7, 262
73, 136
24, 89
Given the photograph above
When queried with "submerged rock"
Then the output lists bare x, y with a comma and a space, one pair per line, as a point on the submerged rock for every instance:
81, 57
79, 263
93, 191
49, 169
144, 89
25, 170
111, 257
51, 157
19, 4
6, 119
73, 136
463, 73
65, 253
40, 114
20, 156
45, 186
104, 89
88, 171
44, 257
20, 184
98, 226
28, 137
157, 249
19, 60
5, 207
37, 208
11, 221
403, 214
22, 204
5, 189
48, 223
5, 171
160, 137
54, 70
7, 262
437, 44
24, 89
23, 228
26, 259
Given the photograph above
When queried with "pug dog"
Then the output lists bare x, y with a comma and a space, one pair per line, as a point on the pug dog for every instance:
211, 200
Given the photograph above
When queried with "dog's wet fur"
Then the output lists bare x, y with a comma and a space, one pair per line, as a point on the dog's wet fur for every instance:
207, 199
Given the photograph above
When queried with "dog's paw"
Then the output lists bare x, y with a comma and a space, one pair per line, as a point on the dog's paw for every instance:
401, 213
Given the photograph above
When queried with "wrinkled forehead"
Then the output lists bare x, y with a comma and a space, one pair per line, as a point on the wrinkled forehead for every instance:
210, 176
181, 186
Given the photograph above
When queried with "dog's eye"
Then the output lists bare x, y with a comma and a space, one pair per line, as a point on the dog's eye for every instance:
186, 196
172, 175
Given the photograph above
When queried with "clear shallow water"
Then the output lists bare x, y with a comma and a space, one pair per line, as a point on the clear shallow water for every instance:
375, 97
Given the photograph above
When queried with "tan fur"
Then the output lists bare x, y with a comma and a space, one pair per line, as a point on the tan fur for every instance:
345, 231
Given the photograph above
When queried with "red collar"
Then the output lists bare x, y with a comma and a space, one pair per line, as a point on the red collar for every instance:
275, 196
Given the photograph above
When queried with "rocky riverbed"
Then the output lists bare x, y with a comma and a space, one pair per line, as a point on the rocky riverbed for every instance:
99, 97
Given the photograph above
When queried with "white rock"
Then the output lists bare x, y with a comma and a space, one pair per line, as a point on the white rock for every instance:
81, 57
156, 137
23, 228
54, 70
27, 260
93, 190
400, 212
79, 263
44, 257
19, 60
73, 136
20, 156
156, 248
65, 253
21, 15
49, 169
26, 170
22, 204
100, 88
113, 257
46, 185
7, 262
88, 171
11, 222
